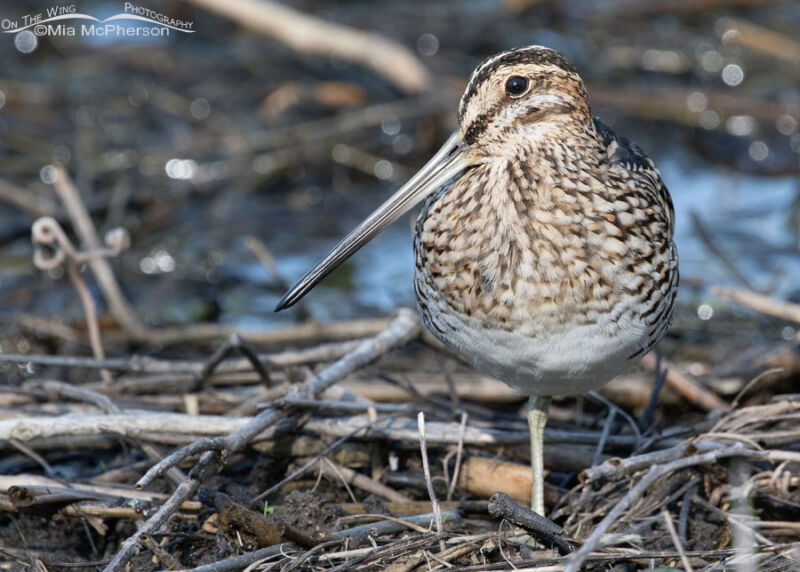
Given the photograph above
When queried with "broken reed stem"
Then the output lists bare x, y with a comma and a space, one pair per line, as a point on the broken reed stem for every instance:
426, 469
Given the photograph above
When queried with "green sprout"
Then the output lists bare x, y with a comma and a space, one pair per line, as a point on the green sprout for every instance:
268, 509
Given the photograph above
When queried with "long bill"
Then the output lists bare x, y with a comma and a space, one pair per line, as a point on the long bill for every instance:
448, 162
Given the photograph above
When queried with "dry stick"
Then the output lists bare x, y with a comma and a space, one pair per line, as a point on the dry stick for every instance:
311, 35
545, 530
365, 483
616, 466
27, 201
165, 558
622, 413
117, 494
759, 302
135, 423
90, 311
234, 342
655, 472
404, 429
749, 385
683, 519
761, 40
313, 461
341, 478
33, 455
687, 386
598, 452
47, 233
676, 539
459, 452
146, 364
109, 407
426, 469
82, 223
707, 240
404, 327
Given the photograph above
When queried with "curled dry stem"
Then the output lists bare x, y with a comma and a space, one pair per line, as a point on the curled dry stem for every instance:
52, 248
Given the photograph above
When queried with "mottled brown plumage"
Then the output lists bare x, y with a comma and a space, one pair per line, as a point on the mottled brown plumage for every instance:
544, 252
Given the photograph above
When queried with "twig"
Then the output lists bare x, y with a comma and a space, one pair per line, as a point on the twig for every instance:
544, 529
365, 483
33, 455
676, 539
759, 302
706, 239
427, 471
310, 35
234, 342
598, 452
683, 519
333, 446
135, 423
117, 494
391, 524
146, 364
761, 40
622, 413
117, 303
646, 420
687, 386
403, 327
656, 471
27, 201
107, 406
75, 392
164, 557
341, 477
343, 406
404, 429
616, 466
47, 233
459, 452
750, 384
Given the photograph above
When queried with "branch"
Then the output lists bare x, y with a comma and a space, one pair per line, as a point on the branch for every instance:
311, 35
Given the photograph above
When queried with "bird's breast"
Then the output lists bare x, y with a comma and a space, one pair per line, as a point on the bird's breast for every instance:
506, 256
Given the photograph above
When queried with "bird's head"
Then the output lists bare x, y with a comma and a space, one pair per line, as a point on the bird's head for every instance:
520, 96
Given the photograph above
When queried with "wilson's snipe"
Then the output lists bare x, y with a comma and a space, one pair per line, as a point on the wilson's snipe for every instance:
544, 253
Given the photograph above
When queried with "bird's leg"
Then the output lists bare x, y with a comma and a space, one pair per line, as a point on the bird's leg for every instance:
538, 406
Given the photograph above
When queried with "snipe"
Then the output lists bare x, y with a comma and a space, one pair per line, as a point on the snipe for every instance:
544, 252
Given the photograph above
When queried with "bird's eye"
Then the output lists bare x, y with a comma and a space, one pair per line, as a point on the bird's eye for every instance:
516, 85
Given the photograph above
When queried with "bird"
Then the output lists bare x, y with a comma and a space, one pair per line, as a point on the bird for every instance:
544, 252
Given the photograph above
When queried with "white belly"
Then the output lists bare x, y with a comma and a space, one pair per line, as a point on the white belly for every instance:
564, 359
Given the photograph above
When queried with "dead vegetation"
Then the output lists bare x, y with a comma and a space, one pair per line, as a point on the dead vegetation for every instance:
355, 444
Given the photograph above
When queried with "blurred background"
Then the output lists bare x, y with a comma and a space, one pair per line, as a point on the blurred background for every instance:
241, 142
